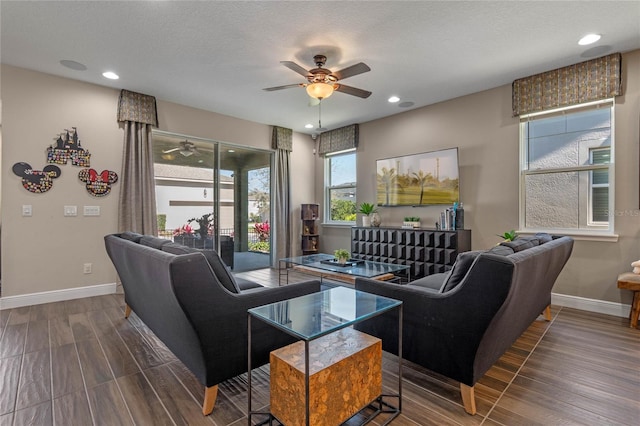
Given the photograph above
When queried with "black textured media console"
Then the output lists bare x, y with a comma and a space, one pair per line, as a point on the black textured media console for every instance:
426, 251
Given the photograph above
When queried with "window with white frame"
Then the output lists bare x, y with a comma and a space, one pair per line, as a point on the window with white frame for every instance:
340, 187
566, 170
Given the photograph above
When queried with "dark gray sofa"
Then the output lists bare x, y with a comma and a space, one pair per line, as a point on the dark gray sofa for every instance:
188, 298
460, 323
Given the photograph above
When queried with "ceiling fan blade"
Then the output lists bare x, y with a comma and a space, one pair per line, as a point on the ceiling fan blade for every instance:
295, 67
170, 150
288, 86
352, 70
353, 91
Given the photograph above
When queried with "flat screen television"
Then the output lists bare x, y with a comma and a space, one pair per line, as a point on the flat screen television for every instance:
422, 179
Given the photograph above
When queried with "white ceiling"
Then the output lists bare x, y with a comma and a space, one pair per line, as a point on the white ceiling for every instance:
219, 55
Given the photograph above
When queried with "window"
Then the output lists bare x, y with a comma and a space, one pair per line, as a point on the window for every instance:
567, 170
340, 187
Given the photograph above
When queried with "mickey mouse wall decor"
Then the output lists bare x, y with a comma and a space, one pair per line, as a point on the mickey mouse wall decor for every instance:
98, 184
36, 181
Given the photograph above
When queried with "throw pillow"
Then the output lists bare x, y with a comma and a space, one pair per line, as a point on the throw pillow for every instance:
543, 237
153, 242
131, 236
501, 250
219, 269
521, 243
459, 269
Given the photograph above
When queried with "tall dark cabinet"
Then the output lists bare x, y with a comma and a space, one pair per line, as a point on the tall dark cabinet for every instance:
426, 251
309, 215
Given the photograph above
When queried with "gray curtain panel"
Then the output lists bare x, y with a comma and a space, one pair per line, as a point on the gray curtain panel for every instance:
281, 141
137, 208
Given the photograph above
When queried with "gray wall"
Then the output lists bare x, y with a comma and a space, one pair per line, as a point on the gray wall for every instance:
46, 252
487, 135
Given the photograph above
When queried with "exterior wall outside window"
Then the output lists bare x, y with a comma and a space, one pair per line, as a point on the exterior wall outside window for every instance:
567, 170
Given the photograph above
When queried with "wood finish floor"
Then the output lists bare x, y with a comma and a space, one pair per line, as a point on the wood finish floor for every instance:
81, 362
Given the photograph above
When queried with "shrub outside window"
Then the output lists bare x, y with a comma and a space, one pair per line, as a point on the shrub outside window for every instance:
340, 187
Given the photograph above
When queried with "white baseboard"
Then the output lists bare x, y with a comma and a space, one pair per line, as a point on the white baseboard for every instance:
11, 302
591, 305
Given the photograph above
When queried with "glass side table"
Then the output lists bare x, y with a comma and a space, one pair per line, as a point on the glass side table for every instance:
319, 314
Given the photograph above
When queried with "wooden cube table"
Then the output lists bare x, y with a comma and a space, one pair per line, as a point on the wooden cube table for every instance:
631, 281
345, 375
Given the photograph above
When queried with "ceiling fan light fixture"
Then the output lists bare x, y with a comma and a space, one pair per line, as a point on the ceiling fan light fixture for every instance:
320, 90
186, 152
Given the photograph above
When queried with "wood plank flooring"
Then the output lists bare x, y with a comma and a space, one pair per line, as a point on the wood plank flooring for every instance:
80, 362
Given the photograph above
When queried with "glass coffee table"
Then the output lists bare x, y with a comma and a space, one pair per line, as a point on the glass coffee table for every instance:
318, 315
324, 265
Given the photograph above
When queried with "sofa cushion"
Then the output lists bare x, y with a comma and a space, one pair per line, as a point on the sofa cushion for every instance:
153, 242
131, 236
459, 269
219, 269
501, 250
521, 243
247, 284
543, 237
433, 281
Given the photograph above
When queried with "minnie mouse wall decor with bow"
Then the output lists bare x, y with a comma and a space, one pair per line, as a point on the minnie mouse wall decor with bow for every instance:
98, 184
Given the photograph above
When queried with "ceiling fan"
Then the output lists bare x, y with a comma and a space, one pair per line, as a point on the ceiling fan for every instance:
186, 148
322, 81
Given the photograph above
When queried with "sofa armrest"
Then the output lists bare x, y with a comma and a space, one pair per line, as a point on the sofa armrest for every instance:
442, 331
219, 318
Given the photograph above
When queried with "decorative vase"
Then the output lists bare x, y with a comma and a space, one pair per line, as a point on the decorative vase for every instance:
366, 221
375, 219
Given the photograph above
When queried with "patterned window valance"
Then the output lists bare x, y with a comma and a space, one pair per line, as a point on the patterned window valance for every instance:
137, 107
587, 81
338, 139
282, 138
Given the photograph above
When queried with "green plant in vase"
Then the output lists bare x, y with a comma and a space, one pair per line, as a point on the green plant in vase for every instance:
508, 236
367, 209
342, 255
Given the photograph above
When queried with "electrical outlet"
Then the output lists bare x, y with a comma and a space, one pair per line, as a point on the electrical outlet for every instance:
71, 210
87, 268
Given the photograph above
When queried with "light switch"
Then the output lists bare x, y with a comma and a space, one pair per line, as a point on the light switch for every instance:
92, 210
71, 210
26, 210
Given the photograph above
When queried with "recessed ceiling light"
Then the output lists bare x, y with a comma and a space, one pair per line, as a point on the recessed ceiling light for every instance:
231, 150
589, 39
308, 126
110, 75
393, 99
73, 65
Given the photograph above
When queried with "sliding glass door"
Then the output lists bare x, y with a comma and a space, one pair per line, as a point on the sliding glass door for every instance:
213, 195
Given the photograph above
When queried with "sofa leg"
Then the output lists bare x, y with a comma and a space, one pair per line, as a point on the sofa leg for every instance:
127, 311
210, 395
547, 313
468, 398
